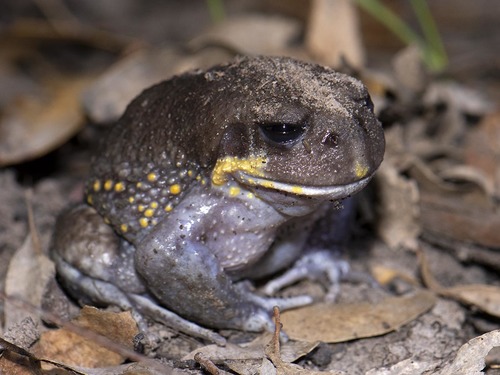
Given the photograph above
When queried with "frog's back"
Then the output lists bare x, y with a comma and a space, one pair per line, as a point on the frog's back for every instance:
142, 172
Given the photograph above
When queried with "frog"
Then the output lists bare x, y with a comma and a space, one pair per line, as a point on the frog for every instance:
211, 180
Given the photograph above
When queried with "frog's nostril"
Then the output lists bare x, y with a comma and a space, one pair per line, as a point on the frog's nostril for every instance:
330, 139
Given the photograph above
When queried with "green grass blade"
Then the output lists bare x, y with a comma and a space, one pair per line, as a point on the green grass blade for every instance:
436, 54
216, 10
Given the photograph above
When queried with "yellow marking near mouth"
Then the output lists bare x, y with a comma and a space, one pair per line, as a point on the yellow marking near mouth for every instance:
360, 170
230, 164
234, 191
297, 189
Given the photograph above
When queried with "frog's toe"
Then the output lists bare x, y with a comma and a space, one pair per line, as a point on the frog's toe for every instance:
322, 266
260, 319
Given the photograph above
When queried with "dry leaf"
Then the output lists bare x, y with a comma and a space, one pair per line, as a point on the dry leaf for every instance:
470, 357
482, 149
106, 99
457, 211
119, 327
409, 69
250, 358
398, 224
255, 34
385, 275
333, 33
65, 346
34, 127
251, 367
219, 354
484, 297
343, 322
290, 351
28, 273
273, 352
13, 367
17, 360
408, 366
134, 369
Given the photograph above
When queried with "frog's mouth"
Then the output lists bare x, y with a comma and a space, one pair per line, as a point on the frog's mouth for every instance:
335, 192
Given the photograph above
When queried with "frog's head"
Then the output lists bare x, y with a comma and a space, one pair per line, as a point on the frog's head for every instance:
296, 129
295, 133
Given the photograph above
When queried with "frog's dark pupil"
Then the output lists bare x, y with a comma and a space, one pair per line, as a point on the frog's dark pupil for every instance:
282, 133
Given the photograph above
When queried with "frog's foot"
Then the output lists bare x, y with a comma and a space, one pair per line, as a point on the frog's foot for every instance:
105, 293
151, 309
257, 313
322, 266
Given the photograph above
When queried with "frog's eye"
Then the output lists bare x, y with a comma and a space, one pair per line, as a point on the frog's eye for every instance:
282, 133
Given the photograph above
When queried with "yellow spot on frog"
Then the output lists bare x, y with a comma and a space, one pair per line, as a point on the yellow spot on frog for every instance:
360, 170
149, 212
153, 205
139, 185
169, 207
131, 199
143, 222
250, 195
230, 164
108, 185
106, 220
234, 191
141, 208
119, 187
96, 185
297, 189
124, 228
90, 200
152, 177
175, 189
190, 173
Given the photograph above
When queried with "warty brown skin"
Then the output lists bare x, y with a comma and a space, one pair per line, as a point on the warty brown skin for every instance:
212, 177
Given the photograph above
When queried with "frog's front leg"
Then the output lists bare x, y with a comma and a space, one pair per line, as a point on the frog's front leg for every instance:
96, 266
186, 276
320, 260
